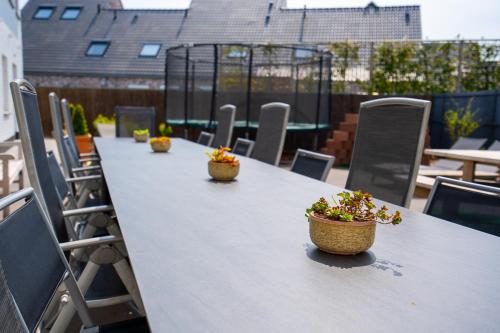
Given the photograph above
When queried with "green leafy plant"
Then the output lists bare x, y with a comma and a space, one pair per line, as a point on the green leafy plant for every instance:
78, 119
357, 206
165, 130
461, 121
102, 119
141, 131
346, 54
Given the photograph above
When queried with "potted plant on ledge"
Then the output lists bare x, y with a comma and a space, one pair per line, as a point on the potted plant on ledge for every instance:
348, 226
162, 143
105, 126
221, 166
83, 137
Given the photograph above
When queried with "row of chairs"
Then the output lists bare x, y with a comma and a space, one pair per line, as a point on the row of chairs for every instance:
60, 254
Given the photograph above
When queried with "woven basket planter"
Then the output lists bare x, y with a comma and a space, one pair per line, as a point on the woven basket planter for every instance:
223, 171
337, 237
161, 147
141, 137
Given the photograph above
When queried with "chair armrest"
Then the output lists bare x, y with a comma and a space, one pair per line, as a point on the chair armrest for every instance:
87, 210
83, 179
89, 168
85, 155
89, 159
104, 240
15, 143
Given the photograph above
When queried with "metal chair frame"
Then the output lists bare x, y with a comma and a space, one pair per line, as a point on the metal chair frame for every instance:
250, 145
208, 135
306, 153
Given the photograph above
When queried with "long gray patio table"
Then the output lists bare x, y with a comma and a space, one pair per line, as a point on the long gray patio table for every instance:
236, 257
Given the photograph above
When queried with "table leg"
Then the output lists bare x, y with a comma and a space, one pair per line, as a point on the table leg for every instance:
469, 170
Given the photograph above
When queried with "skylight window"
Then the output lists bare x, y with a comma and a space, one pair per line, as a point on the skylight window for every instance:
43, 13
302, 53
237, 54
97, 49
71, 13
150, 50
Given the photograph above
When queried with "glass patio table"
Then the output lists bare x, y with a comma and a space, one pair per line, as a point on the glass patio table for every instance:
225, 257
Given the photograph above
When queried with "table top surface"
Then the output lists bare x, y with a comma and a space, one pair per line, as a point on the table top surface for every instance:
224, 257
480, 156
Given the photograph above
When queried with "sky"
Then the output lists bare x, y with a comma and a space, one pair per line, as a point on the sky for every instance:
441, 19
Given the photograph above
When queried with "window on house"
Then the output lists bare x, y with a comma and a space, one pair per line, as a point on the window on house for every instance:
71, 13
5, 85
97, 49
43, 13
150, 50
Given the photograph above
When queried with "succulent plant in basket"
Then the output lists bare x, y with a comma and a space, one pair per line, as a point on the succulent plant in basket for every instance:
141, 135
162, 143
348, 226
222, 166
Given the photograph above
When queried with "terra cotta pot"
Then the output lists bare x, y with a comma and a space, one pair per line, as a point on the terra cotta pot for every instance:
84, 143
346, 238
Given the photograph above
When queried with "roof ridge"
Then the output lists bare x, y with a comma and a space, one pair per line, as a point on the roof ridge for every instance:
177, 10
348, 8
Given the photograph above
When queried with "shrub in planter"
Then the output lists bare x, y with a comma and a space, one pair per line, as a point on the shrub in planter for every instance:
105, 126
348, 226
83, 138
141, 135
162, 143
221, 166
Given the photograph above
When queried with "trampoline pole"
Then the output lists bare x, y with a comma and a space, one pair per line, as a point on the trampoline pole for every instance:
165, 88
214, 86
186, 91
249, 92
318, 102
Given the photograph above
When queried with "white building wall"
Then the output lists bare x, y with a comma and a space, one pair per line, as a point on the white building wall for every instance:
11, 63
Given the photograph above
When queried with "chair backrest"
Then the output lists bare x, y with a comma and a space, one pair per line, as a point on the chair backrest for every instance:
63, 190
58, 132
462, 144
273, 122
68, 123
32, 262
495, 146
130, 118
388, 148
35, 155
472, 205
311, 164
10, 317
243, 147
205, 138
225, 125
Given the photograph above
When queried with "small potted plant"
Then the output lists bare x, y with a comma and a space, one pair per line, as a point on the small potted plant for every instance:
83, 137
105, 126
348, 226
162, 143
221, 166
141, 135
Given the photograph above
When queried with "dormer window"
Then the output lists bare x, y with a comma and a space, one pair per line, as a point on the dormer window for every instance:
150, 50
43, 13
371, 8
97, 49
71, 13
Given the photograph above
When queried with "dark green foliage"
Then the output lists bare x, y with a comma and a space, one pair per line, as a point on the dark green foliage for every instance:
78, 119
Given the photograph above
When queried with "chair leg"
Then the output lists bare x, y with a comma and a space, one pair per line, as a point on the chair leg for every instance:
127, 276
68, 311
114, 230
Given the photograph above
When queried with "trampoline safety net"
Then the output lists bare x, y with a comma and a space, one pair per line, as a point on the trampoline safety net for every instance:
200, 78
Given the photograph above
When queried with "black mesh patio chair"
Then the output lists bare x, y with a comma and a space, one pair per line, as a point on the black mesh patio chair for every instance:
71, 163
388, 148
273, 122
311, 164
119, 284
225, 125
243, 147
68, 124
131, 118
205, 139
461, 144
495, 146
33, 267
472, 205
